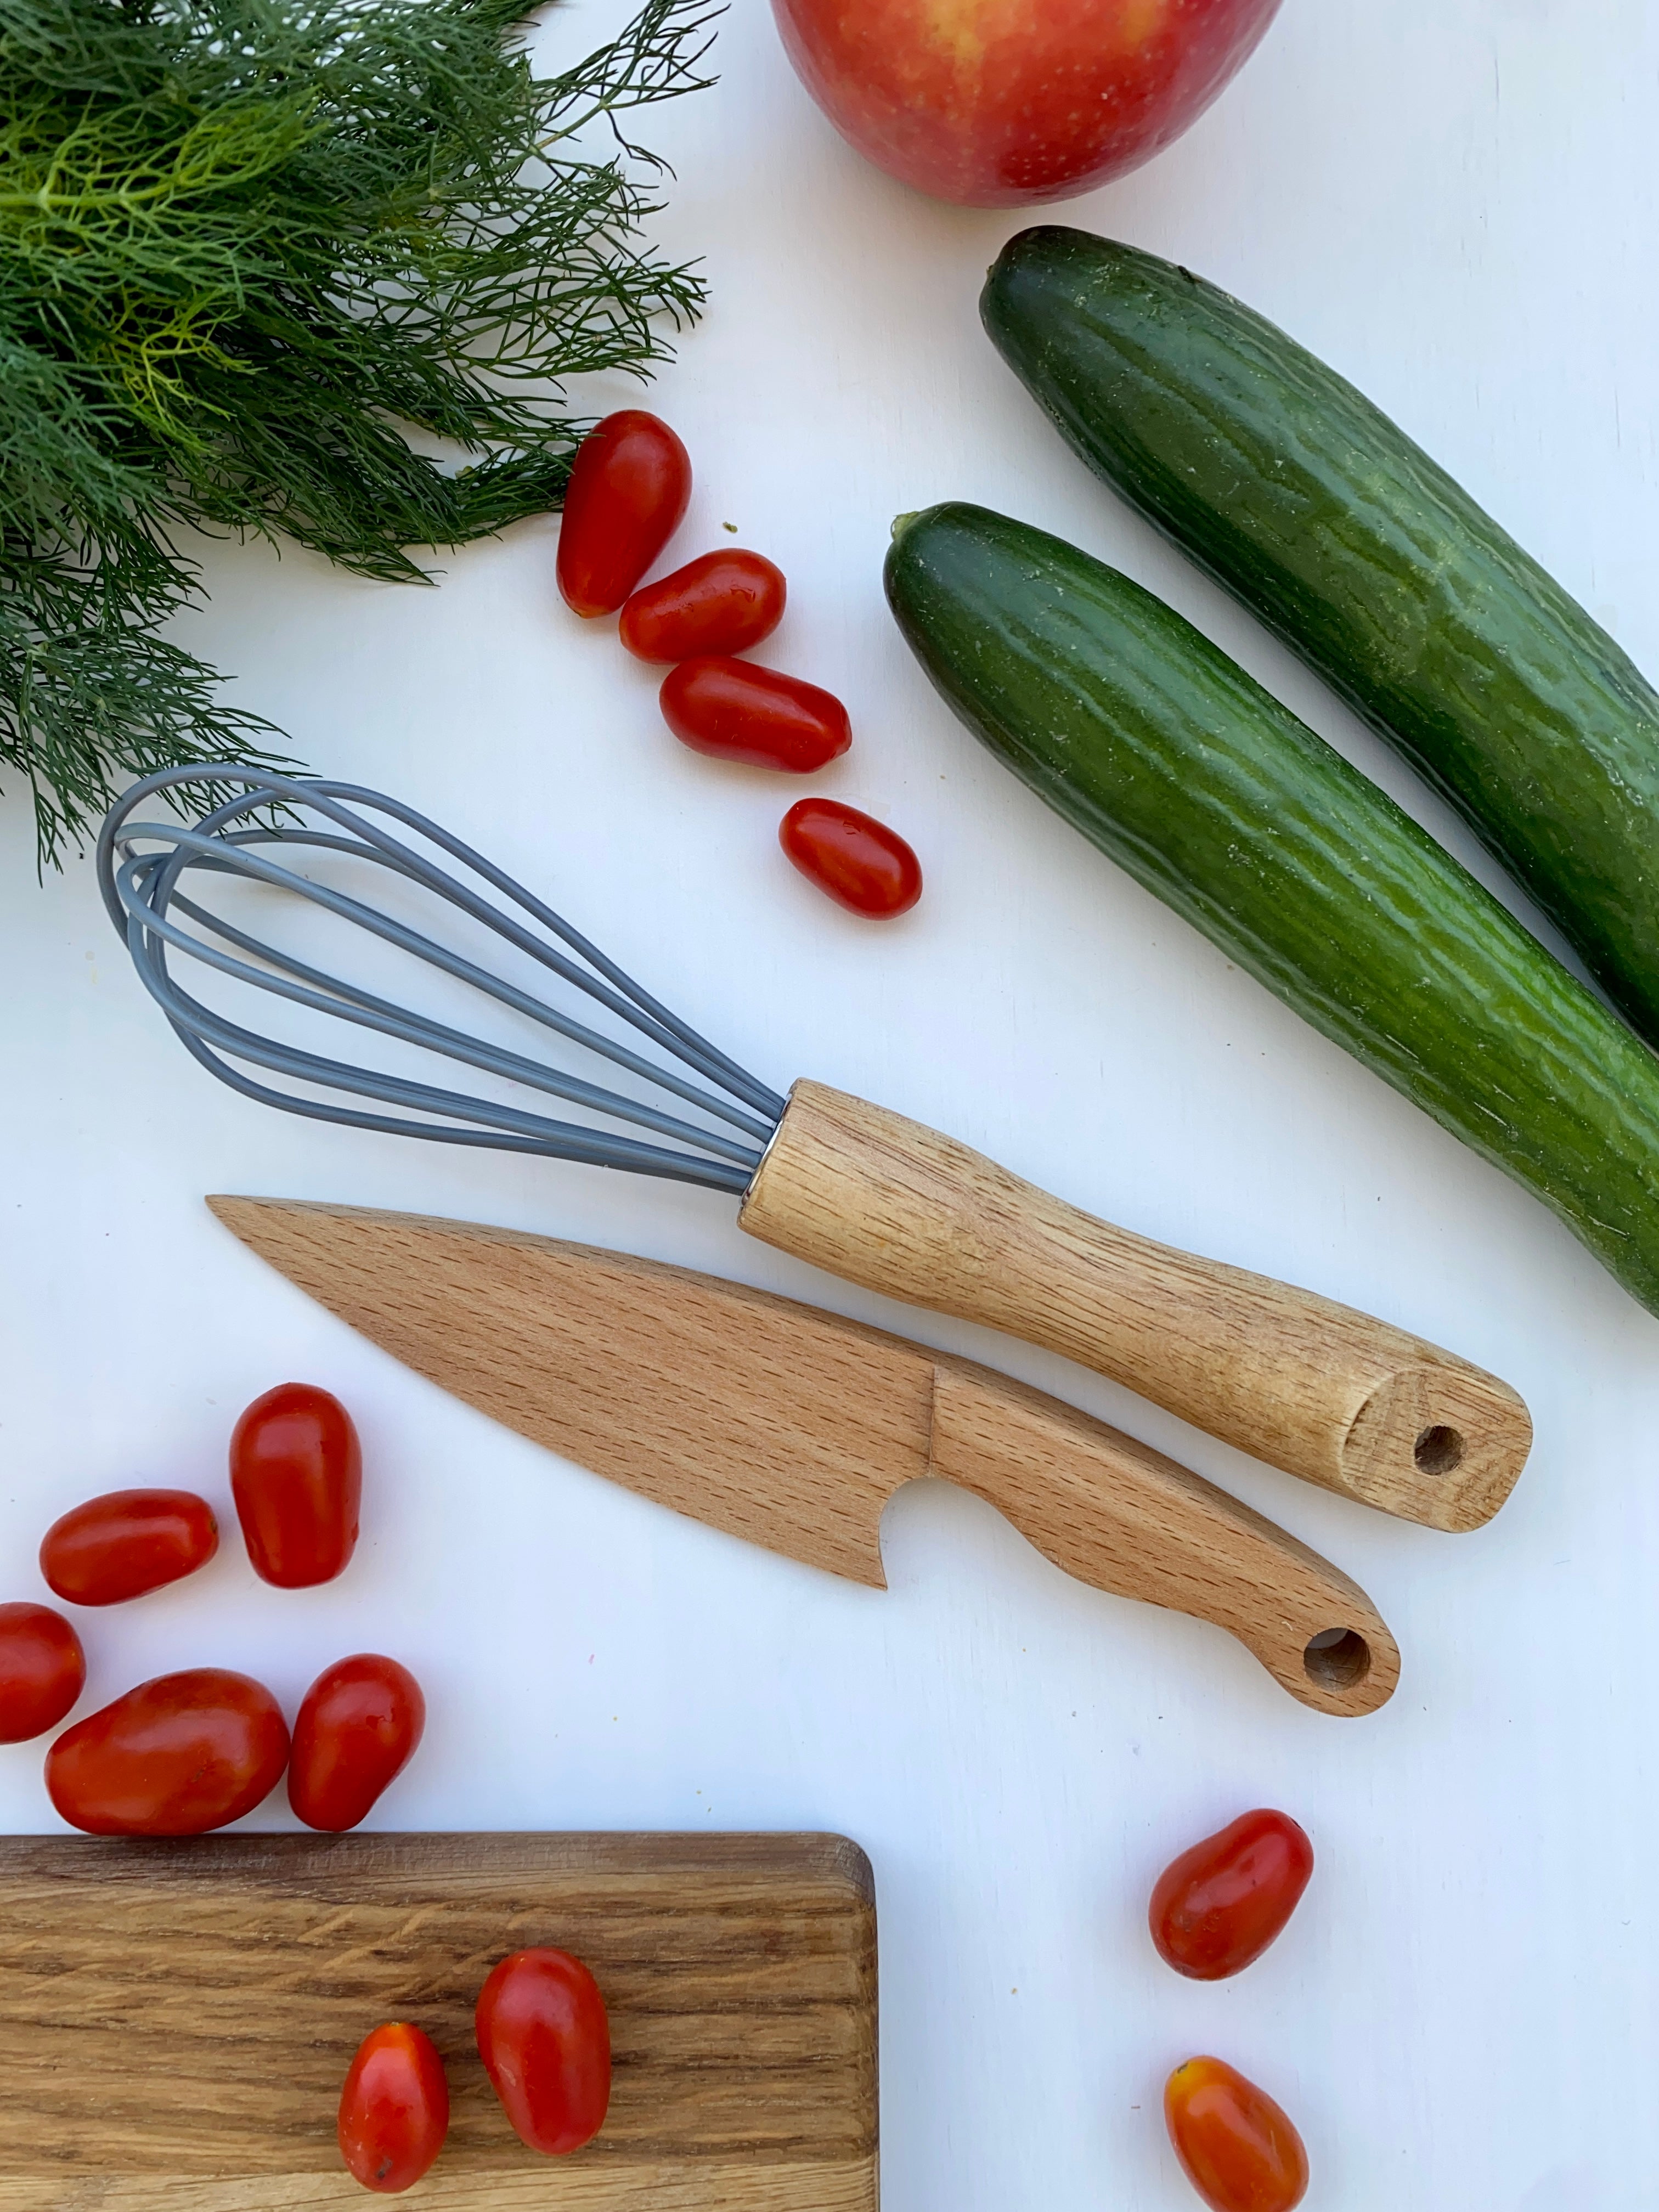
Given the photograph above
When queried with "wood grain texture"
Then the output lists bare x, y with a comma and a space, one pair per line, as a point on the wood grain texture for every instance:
793, 1427
671, 2185
1315, 1387
176, 2018
1118, 1515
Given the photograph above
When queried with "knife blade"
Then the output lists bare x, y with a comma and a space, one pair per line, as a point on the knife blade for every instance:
791, 1427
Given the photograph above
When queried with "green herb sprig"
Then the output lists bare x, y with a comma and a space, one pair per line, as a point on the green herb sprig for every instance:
245, 246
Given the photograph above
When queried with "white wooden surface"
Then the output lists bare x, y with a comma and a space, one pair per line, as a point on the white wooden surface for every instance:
1453, 201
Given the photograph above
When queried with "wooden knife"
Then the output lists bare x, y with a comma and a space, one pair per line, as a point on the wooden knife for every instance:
793, 1427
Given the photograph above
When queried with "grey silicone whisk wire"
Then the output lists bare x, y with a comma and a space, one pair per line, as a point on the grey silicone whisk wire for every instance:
142, 871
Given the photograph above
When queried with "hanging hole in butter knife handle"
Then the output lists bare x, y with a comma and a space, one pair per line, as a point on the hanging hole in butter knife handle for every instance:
1338, 1659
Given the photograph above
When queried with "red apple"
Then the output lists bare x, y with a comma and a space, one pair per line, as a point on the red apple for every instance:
996, 102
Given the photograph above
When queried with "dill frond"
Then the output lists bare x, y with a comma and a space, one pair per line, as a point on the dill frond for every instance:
245, 246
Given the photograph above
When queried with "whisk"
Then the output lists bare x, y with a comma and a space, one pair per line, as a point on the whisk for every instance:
142, 893
1325, 1392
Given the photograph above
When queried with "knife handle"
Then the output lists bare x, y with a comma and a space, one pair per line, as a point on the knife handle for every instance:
1315, 1387
1119, 1516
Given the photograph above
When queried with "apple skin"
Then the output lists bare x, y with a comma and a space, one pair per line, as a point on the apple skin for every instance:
998, 103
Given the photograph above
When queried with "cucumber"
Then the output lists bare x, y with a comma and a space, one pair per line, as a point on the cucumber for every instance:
1147, 737
1291, 489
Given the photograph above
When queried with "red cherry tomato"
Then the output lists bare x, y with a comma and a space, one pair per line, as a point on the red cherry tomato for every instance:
1235, 2146
394, 2108
296, 1473
354, 1733
738, 712
126, 1542
992, 105
42, 1670
628, 490
862, 863
1220, 1904
175, 1757
724, 602
545, 2043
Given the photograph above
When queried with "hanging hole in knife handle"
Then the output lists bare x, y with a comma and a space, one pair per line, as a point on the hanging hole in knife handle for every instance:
1326, 1392
1338, 1659
1115, 1514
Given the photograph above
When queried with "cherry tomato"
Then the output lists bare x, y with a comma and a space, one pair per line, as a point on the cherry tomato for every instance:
738, 712
545, 2043
42, 1670
296, 1473
354, 1733
1219, 1905
394, 2108
862, 863
126, 1542
175, 1757
724, 602
628, 490
1235, 2145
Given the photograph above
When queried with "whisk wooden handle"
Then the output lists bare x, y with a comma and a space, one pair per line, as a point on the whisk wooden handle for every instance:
1315, 1387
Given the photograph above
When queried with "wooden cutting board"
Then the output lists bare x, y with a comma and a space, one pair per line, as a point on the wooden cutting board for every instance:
176, 2018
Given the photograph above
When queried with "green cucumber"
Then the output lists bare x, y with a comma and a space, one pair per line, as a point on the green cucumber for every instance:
1291, 489
1183, 769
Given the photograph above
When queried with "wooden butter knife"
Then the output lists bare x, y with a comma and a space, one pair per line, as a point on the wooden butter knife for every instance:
793, 1427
